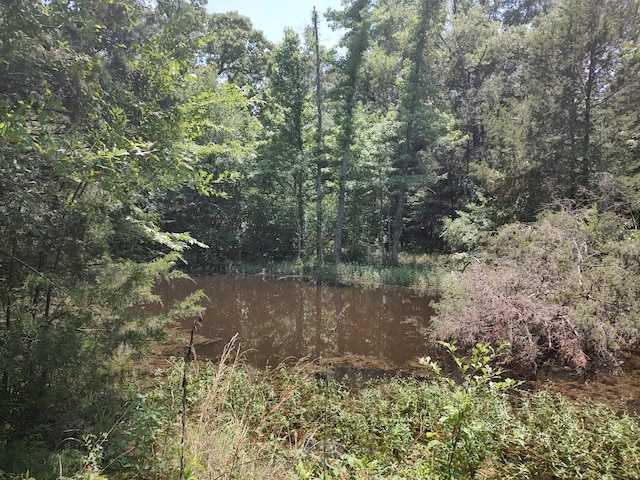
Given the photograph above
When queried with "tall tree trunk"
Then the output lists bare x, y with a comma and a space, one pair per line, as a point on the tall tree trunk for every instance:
320, 144
573, 152
8, 300
319, 216
586, 120
411, 144
9, 285
299, 211
357, 44
394, 254
337, 241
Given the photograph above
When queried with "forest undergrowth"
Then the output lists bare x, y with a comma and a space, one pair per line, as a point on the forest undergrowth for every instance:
139, 137
564, 289
287, 423
414, 271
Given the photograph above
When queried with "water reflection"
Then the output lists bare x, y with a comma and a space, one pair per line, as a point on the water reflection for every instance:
280, 319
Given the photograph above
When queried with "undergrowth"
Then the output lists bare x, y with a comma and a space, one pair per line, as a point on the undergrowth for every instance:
565, 289
287, 423
412, 273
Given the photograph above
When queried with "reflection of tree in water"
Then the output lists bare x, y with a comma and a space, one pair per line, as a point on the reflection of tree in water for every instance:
342, 325
318, 320
276, 319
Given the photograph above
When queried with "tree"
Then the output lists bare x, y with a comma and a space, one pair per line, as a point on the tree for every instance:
548, 127
476, 53
576, 54
417, 118
239, 53
89, 128
221, 131
287, 102
320, 153
355, 18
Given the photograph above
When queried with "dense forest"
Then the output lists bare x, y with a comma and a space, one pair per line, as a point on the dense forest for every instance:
138, 136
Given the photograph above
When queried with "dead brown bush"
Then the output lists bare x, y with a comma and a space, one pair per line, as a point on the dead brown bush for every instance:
563, 289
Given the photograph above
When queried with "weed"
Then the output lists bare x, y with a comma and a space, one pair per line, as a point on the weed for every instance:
414, 274
460, 431
288, 423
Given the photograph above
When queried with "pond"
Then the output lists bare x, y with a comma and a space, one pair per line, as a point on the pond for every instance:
278, 320
369, 330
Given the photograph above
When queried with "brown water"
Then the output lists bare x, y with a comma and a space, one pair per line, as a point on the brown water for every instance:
278, 320
372, 330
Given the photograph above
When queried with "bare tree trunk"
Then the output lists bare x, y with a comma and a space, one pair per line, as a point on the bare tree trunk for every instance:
394, 258
337, 242
9, 285
320, 144
299, 215
8, 300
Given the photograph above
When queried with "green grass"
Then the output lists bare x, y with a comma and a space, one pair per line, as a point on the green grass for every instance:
414, 272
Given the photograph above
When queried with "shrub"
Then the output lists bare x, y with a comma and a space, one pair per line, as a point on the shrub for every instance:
565, 288
467, 231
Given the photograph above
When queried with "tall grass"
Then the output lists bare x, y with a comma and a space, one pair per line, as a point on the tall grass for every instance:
227, 411
413, 273
288, 423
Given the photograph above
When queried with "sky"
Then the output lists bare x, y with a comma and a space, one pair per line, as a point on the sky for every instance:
272, 16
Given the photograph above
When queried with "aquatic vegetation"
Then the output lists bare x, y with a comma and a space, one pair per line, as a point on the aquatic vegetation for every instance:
410, 273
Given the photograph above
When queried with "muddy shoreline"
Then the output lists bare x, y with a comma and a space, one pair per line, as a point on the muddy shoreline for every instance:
617, 392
